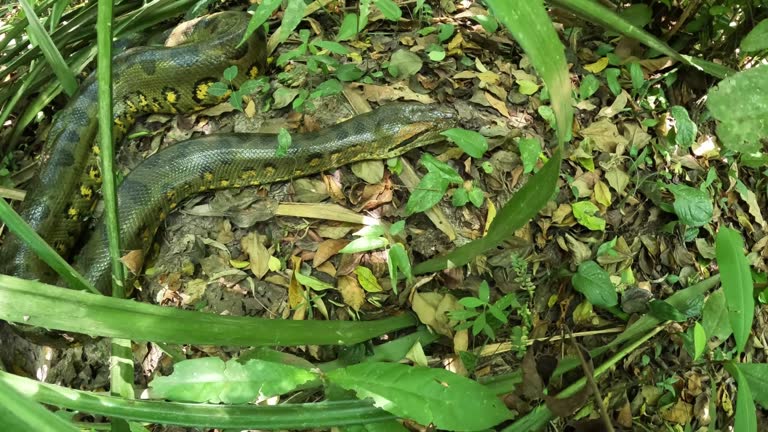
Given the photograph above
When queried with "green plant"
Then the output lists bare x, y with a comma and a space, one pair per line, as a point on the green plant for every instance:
483, 316
226, 88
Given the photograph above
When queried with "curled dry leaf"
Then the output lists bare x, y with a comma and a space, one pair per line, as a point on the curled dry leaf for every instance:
432, 310
327, 249
351, 292
258, 255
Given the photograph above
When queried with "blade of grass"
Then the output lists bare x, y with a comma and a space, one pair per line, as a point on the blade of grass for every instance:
593, 11
286, 416
19, 413
42, 305
16, 225
49, 50
737, 284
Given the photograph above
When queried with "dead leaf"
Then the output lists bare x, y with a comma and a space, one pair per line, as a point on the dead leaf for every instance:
133, 260
327, 249
296, 293
497, 104
258, 255
680, 413
604, 135
351, 292
432, 309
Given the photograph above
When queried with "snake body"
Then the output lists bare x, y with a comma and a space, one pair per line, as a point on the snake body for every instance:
175, 80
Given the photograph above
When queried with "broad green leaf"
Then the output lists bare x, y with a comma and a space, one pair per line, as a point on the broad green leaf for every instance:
460, 197
693, 206
404, 64
714, 317
445, 171
636, 74
365, 9
284, 96
530, 150
737, 283
212, 380
444, 32
294, 13
436, 53
595, 283
612, 78
429, 192
397, 227
424, 395
284, 142
20, 412
746, 415
589, 85
637, 14
471, 302
476, 196
685, 128
756, 375
389, 9
585, 213
327, 88
398, 262
230, 73
757, 39
218, 89
665, 311
365, 244
484, 292
741, 129
367, 279
348, 72
332, 46
488, 22
527, 87
348, 29
260, 15
471, 142
699, 340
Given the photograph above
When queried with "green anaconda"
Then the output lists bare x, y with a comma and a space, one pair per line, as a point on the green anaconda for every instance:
175, 80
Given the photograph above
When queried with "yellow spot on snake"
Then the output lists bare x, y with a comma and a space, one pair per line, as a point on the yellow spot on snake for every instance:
248, 174
298, 172
131, 106
208, 176
86, 192
73, 212
170, 194
96, 150
315, 162
172, 97
143, 102
224, 183
201, 92
254, 72
269, 171
94, 174
162, 215
172, 206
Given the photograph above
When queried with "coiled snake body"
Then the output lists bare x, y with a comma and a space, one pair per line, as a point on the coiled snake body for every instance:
176, 80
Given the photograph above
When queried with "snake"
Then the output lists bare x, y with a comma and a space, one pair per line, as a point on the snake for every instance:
175, 79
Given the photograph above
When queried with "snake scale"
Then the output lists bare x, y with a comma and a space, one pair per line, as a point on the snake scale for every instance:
175, 79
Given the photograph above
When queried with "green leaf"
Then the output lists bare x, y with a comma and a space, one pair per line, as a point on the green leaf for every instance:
584, 212
477, 196
294, 13
714, 317
327, 88
424, 395
365, 244
741, 129
445, 171
21, 413
530, 150
284, 142
460, 197
737, 283
404, 64
218, 89
612, 78
261, 14
290, 55
389, 9
348, 72
436, 53
365, 9
757, 39
331, 46
594, 282
471, 302
397, 261
489, 23
444, 32
484, 292
756, 375
230, 73
429, 192
685, 128
589, 85
367, 280
211, 380
665, 311
699, 340
638, 15
313, 283
251, 86
746, 415
348, 29
52, 54
693, 206
471, 142
636, 73
284, 96
528, 87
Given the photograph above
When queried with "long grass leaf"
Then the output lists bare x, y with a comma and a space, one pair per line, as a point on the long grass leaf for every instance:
50, 52
737, 283
19, 413
42, 305
286, 416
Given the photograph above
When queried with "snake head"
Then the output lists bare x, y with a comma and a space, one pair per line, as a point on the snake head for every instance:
410, 125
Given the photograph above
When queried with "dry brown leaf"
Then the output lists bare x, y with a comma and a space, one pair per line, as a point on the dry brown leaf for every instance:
351, 291
133, 260
327, 249
258, 255
497, 104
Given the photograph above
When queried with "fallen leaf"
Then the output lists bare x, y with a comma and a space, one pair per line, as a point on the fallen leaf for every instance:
351, 292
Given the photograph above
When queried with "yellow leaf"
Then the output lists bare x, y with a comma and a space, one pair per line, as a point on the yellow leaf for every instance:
489, 77
367, 279
602, 193
350, 290
296, 295
597, 66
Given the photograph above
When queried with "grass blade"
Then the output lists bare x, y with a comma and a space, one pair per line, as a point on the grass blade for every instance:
737, 283
22, 413
39, 304
50, 52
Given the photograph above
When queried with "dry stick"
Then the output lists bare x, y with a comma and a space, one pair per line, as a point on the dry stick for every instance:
588, 371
